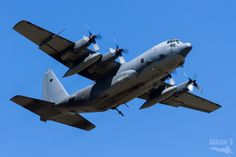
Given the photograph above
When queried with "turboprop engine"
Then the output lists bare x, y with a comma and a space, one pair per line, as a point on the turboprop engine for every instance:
113, 54
170, 91
86, 41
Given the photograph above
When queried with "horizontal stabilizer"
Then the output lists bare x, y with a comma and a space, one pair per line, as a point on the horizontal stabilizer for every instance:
47, 111
39, 107
73, 119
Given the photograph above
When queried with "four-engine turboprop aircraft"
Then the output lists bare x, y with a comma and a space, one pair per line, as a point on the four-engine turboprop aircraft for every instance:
115, 83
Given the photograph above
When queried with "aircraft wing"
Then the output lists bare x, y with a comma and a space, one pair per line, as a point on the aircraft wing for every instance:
191, 101
57, 46
188, 100
47, 111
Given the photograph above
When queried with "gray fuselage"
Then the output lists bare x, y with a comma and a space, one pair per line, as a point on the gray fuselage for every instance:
131, 80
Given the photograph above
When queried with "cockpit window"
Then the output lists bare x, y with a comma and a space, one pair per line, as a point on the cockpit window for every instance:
173, 41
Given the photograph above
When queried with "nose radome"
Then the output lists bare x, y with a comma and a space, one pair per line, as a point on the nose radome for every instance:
185, 49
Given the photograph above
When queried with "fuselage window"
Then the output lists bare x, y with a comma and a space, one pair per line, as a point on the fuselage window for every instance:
173, 41
161, 56
172, 45
142, 61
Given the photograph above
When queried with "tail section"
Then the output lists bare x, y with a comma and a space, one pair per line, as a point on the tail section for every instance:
53, 93
53, 90
40, 107
47, 111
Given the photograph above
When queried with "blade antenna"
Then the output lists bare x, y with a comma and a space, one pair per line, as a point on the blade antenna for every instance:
115, 108
61, 31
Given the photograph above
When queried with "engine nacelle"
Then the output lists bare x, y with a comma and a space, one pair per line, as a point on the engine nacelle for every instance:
113, 54
166, 93
79, 45
88, 61
82, 44
109, 57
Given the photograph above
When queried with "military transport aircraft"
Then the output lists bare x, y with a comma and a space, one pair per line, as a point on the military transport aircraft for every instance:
115, 83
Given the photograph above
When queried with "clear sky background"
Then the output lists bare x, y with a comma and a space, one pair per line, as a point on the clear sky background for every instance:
137, 25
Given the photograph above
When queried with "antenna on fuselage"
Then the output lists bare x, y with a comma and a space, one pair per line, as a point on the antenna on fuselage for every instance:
115, 108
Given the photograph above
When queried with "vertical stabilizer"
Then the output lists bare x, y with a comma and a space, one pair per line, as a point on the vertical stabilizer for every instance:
53, 90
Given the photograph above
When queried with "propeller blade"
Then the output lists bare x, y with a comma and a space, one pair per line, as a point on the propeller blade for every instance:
193, 83
125, 51
112, 50
92, 39
90, 33
122, 60
96, 47
119, 52
98, 36
194, 77
197, 86
117, 46
172, 81
186, 76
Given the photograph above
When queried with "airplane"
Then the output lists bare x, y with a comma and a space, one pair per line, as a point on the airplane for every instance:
148, 77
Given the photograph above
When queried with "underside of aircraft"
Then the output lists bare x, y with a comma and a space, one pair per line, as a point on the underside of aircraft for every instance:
147, 77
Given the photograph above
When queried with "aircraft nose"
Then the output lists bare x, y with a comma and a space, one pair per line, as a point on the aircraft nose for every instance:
185, 49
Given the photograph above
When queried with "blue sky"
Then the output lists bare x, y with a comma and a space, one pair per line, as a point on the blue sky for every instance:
137, 25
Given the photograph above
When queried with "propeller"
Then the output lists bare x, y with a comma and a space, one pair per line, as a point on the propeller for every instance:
119, 53
92, 38
171, 80
193, 83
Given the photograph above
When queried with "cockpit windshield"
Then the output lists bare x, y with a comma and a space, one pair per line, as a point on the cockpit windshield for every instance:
174, 41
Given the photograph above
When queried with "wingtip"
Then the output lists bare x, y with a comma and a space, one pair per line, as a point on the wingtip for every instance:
216, 108
19, 23
14, 97
90, 128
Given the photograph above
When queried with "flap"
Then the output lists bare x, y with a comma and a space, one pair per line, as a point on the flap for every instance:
39, 107
75, 120
47, 110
